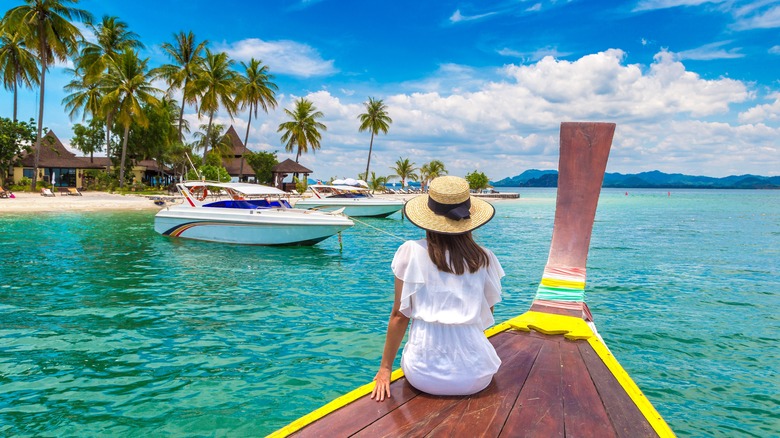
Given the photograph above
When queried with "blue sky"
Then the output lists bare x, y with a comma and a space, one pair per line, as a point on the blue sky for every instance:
692, 85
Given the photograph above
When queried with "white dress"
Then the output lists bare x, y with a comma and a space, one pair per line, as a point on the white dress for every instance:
447, 352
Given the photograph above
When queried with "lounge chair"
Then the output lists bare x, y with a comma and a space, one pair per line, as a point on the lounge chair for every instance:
73, 191
4, 193
47, 192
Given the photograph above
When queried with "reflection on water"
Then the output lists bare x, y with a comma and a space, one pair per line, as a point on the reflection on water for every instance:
111, 329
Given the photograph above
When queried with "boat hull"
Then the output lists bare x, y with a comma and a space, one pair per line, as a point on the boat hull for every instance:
371, 207
249, 227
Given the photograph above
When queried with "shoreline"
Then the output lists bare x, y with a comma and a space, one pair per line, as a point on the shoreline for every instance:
25, 202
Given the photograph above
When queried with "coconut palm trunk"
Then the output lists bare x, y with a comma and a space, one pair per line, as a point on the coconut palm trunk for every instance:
16, 93
109, 119
208, 140
181, 110
124, 154
44, 63
246, 139
370, 148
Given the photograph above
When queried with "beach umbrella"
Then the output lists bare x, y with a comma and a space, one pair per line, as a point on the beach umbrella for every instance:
53, 178
338, 182
350, 181
362, 183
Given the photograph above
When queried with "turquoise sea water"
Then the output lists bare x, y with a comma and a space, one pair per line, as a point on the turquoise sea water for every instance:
107, 328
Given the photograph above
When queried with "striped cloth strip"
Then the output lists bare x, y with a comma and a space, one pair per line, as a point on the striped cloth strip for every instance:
562, 284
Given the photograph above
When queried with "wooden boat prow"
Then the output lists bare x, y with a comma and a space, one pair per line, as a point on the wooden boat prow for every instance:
557, 377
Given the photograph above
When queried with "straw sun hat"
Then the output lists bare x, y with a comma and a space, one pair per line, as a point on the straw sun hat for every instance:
448, 208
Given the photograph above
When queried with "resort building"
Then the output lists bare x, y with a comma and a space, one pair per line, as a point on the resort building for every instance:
286, 168
61, 168
233, 162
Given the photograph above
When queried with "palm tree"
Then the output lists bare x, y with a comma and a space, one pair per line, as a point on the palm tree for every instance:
186, 55
214, 136
46, 28
127, 86
255, 91
376, 120
405, 170
216, 83
112, 39
431, 170
377, 182
85, 96
17, 63
303, 130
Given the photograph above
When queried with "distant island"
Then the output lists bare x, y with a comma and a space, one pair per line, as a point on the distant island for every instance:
651, 180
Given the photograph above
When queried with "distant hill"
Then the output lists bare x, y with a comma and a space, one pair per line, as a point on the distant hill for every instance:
653, 179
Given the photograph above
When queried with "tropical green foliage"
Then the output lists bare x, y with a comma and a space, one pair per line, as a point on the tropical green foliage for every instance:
303, 129
216, 83
17, 63
15, 138
301, 184
376, 120
215, 173
187, 59
88, 138
429, 171
127, 87
262, 163
477, 180
404, 169
213, 135
255, 90
45, 28
377, 183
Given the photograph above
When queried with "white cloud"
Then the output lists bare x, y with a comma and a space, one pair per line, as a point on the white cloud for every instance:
709, 52
757, 15
649, 5
766, 113
283, 57
508, 125
457, 17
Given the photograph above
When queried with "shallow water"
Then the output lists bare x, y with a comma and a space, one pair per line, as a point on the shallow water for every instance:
107, 328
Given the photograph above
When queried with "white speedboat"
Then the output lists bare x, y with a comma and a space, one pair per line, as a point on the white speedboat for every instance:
356, 201
243, 213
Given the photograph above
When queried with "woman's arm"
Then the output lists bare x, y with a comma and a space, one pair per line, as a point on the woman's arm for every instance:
396, 328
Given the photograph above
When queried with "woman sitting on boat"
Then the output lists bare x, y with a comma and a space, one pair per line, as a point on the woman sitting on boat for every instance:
447, 285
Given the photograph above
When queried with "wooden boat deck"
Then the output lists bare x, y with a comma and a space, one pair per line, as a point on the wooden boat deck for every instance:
557, 378
547, 386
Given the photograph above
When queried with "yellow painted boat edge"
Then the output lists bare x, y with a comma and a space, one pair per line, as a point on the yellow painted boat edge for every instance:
570, 327
330, 407
640, 400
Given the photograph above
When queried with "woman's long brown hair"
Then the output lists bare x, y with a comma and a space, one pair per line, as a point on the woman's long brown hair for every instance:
464, 253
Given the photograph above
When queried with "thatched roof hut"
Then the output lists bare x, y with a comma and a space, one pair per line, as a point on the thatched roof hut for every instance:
285, 168
233, 162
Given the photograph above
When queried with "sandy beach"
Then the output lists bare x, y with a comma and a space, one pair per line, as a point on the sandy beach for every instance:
89, 201
96, 201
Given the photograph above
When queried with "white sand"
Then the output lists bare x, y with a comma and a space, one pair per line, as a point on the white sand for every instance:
96, 201
89, 201
102, 201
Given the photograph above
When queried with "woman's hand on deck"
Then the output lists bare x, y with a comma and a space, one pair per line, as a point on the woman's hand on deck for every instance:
382, 387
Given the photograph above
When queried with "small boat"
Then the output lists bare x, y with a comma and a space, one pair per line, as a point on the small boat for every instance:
356, 201
557, 377
242, 213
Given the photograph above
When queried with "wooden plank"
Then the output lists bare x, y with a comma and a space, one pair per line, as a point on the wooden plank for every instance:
626, 418
421, 415
352, 418
415, 418
538, 411
484, 413
583, 411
